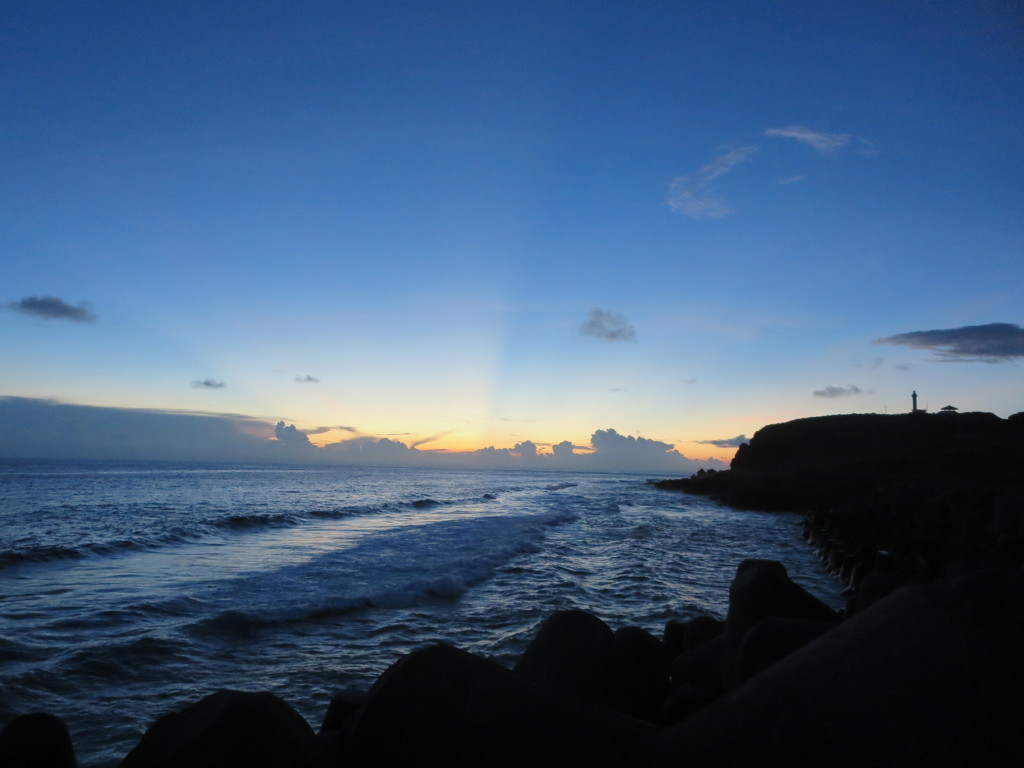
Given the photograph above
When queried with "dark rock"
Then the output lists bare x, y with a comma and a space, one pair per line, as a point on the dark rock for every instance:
700, 666
228, 729
930, 675
36, 741
340, 708
773, 639
875, 586
674, 637
898, 475
681, 636
638, 674
443, 706
702, 629
762, 589
334, 734
571, 652
684, 700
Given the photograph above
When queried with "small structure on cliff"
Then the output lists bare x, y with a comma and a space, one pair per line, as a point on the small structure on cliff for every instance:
913, 400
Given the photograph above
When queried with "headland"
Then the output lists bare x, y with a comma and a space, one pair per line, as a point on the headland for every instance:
923, 516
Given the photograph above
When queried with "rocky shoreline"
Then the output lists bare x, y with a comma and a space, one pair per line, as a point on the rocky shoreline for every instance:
924, 667
929, 674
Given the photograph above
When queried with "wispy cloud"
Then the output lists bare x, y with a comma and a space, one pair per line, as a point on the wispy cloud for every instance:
307, 379
52, 308
793, 179
208, 384
831, 391
324, 430
430, 439
695, 195
608, 326
823, 142
991, 343
729, 442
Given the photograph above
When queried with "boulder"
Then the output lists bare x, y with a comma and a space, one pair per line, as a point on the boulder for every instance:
930, 675
874, 587
341, 707
700, 666
228, 729
674, 637
572, 653
638, 674
702, 629
443, 706
684, 700
761, 589
773, 639
333, 736
37, 740
681, 636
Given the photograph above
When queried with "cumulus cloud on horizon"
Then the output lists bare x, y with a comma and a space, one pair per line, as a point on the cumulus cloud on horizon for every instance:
34, 428
990, 343
307, 379
695, 195
208, 384
52, 308
608, 326
832, 391
290, 435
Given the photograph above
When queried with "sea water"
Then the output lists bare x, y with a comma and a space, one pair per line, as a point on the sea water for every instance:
133, 589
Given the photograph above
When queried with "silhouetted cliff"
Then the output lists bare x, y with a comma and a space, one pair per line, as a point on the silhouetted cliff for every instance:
806, 464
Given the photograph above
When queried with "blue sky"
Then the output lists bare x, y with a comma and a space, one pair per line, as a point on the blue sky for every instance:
468, 224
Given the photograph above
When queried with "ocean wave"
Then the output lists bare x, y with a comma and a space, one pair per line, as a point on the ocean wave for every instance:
43, 554
560, 486
395, 569
112, 660
17, 650
425, 503
258, 520
343, 512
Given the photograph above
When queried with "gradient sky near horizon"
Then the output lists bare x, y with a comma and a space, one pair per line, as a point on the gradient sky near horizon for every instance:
471, 224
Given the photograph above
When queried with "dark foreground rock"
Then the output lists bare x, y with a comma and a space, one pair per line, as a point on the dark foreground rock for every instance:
930, 674
570, 653
228, 729
37, 740
443, 706
761, 590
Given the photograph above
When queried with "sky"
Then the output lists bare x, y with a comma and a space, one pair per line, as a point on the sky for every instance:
560, 234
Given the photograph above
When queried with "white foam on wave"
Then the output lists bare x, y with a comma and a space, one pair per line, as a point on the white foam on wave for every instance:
389, 569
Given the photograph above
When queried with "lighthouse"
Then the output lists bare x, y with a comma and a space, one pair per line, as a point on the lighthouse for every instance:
913, 397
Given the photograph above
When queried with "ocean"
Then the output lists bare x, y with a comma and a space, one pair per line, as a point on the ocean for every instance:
128, 590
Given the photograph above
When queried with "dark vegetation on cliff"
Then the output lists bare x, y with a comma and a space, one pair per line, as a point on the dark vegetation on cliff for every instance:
805, 464
910, 493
